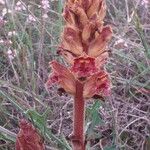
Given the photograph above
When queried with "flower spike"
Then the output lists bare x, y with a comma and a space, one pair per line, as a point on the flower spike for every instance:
84, 46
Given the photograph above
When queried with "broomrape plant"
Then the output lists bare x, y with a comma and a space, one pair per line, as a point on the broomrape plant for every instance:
83, 46
28, 137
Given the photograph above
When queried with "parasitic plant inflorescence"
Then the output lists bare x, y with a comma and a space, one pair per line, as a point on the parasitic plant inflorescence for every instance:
84, 47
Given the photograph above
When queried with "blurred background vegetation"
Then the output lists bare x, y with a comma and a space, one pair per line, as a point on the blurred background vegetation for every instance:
30, 32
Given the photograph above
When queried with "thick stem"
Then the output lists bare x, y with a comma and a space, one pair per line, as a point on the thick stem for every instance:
78, 139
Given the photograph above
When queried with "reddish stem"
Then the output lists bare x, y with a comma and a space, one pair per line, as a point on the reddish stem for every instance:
78, 139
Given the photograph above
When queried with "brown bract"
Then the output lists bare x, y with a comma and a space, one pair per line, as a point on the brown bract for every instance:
71, 40
62, 76
98, 84
98, 45
28, 137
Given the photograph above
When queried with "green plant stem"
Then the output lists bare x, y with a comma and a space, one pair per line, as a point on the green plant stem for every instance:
78, 139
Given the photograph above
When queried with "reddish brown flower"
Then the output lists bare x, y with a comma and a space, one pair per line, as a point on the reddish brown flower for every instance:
28, 138
98, 84
84, 66
63, 76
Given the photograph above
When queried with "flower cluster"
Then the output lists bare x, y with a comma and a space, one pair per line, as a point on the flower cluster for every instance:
2, 2
84, 47
45, 6
31, 19
145, 3
11, 54
20, 6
